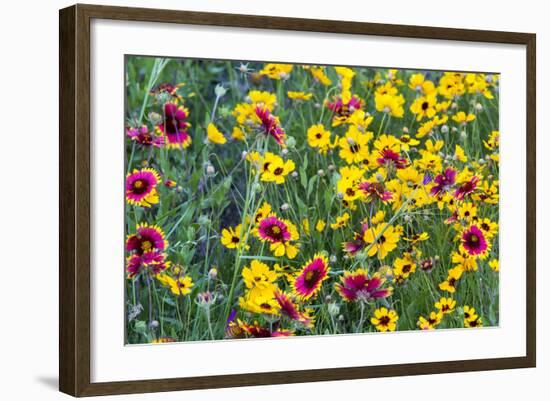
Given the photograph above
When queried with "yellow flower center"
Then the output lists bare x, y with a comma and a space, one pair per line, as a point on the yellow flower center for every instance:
138, 184
146, 245
276, 230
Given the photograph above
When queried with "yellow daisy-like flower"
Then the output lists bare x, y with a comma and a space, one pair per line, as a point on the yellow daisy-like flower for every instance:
319, 75
459, 154
341, 221
259, 277
424, 107
404, 267
450, 283
178, 286
260, 302
277, 169
299, 95
407, 142
384, 319
463, 118
354, 145
389, 104
214, 135
318, 137
494, 265
381, 239
238, 134
232, 237
277, 71
446, 305
320, 225
430, 322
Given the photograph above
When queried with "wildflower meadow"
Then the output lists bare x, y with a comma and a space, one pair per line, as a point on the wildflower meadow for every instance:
275, 200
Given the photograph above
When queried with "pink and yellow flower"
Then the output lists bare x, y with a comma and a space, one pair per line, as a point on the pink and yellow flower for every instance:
141, 187
146, 238
175, 126
359, 286
307, 282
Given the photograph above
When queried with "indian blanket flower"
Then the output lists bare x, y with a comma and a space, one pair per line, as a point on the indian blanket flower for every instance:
389, 158
384, 319
375, 191
146, 238
473, 241
443, 182
152, 262
307, 282
141, 187
175, 126
279, 233
289, 308
144, 137
467, 188
381, 239
343, 108
270, 125
359, 286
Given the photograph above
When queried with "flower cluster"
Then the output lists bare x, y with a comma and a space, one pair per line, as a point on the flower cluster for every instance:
306, 199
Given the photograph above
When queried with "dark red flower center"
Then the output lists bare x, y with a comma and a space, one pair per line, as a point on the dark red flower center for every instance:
384, 321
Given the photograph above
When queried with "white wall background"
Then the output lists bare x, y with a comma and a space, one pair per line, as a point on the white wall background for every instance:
29, 185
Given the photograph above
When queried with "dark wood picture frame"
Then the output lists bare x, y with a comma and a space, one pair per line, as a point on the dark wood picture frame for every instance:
74, 199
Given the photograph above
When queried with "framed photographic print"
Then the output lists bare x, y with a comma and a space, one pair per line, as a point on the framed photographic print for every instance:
250, 200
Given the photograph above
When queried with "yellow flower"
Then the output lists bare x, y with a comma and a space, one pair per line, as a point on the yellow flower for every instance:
360, 119
299, 95
451, 84
341, 221
418, 83
178, 286
259, 277
389, 104
494, 265
232, 237
238, 134
460, 155
384, 319
463, 118
320, 225
318, 137
382, 239
305, 226
471, 318
277, 71
385, 141
260, 302
319, 75
453, 276
378, 217
467, 211
446, 305
404, 267
424, 106
354, 145
277, 168
431, 322
407, 142
214, 135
